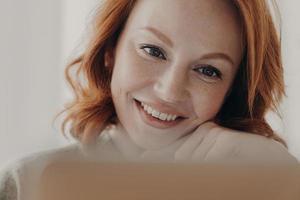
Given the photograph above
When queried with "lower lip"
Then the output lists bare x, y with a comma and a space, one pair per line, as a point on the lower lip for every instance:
152, 121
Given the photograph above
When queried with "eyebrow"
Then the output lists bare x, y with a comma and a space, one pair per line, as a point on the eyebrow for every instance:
166, 40
159, 34
218, 55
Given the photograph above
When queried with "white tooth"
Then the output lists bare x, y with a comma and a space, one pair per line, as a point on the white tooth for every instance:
149, 110
162, 116
173, 117
155, 113
169, 117
146, 107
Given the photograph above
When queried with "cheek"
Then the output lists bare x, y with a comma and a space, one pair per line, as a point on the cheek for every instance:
208, 102
131, 72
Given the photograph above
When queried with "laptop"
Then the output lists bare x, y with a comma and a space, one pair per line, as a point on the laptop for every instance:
167, 181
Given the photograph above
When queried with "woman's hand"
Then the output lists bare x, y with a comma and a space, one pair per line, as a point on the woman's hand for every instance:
213, 143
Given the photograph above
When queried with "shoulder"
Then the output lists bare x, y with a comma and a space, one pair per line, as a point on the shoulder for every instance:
18, 175
8, 183
28, 168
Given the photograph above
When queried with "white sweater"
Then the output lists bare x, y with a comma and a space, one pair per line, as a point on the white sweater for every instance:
19, 178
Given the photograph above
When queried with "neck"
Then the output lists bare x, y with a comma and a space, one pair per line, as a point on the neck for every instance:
123, 142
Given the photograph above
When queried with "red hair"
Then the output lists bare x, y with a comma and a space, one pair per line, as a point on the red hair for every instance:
257, 88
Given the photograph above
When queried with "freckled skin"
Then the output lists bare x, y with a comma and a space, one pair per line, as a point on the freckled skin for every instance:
196, 29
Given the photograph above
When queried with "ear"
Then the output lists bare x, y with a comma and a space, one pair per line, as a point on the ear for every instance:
109, 57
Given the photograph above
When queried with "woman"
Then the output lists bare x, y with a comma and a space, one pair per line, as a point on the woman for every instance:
174, 81
149, 60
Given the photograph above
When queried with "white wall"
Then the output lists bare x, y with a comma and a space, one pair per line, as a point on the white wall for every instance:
291, 54
37, 39
30, 55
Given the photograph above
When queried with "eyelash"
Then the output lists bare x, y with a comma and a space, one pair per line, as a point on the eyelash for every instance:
152, 47
209, 71
206, 70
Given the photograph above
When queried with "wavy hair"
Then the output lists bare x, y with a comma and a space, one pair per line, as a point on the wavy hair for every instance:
258, 86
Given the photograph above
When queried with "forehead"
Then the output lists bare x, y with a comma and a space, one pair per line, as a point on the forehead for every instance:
212, 24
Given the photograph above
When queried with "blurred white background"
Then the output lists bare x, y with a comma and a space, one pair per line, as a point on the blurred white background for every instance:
38, 38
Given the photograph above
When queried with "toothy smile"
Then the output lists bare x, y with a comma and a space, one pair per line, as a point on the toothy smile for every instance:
157, 114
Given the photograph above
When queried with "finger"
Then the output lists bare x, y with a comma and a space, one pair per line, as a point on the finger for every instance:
222, 151
205, 146
163, 154
193, 140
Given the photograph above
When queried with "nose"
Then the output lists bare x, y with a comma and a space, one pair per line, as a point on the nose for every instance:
171, 86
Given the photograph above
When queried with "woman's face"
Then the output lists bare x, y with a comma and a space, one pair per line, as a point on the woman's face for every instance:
179, 58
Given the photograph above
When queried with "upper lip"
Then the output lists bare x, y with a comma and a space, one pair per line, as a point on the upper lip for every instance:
163, 108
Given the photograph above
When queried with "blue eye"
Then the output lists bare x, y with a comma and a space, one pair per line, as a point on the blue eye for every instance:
154, 51
209, 72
